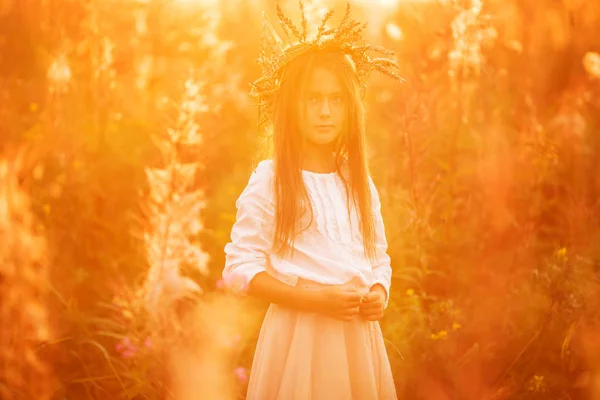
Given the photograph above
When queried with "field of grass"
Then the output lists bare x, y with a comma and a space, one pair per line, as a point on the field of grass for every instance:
127, 133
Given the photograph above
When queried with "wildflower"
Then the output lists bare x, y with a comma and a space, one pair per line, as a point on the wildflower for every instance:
536, 383
129, 353
410, 292
440, 335
148, 342
241, 374
220, 284
561, 254
456, 326
126, 348
123, 344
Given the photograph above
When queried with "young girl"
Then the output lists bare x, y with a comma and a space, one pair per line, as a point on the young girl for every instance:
310, 240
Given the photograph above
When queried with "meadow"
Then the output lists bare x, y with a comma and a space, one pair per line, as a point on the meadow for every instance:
127, 133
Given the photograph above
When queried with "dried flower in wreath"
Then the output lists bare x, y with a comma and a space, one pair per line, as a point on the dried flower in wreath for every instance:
346, 38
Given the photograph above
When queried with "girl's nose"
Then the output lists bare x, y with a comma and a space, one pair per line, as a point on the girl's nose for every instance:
325, 109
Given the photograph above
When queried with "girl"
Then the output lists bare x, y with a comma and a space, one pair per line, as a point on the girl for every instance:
310, 240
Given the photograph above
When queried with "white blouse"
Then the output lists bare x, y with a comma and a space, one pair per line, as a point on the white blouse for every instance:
329, 251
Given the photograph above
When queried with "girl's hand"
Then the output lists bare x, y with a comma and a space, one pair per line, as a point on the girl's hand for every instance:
337, 302
371, 308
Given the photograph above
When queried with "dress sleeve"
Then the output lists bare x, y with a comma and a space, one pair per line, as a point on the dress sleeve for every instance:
382, 270
246, 254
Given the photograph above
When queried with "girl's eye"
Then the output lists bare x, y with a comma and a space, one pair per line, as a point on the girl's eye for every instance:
337, 99
312, 99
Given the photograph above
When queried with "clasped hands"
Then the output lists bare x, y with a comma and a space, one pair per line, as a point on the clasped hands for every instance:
346, 302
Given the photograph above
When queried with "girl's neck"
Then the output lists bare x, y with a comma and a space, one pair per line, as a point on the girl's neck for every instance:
318, 160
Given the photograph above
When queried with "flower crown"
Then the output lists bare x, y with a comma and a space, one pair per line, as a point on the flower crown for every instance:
346, 38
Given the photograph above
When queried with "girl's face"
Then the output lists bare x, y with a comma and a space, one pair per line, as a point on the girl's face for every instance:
323, 108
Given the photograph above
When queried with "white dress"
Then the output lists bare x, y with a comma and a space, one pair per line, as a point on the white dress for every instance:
301, 355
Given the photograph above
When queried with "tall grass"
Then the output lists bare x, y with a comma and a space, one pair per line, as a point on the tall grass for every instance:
112, 228
25, 290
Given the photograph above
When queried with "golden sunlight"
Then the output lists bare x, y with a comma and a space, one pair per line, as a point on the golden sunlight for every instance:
136, 209
394, 31
204, 3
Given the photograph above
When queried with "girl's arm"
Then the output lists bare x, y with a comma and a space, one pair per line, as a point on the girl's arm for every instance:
342, 303
263, 286
382, 270
246, 254
251, 241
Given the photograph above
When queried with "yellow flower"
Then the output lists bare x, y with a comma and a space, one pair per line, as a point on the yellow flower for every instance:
440, 335
561, 254
536, 383
410, 292
46, 209
456, 326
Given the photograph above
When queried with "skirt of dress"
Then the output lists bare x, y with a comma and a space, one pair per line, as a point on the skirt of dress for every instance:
307, 356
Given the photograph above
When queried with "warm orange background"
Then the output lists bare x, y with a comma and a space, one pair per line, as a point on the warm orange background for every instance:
127, 133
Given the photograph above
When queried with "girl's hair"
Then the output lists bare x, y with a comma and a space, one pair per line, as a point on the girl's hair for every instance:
291, 197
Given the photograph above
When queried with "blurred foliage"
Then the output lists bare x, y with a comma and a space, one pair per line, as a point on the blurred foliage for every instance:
487, 160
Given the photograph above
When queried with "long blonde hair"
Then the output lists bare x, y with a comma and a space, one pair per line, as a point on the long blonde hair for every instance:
291, 197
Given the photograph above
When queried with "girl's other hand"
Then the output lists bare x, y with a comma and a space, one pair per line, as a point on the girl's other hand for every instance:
372, 307
339, 302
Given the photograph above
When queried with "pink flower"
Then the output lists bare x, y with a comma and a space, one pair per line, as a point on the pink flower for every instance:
125, 348
241, 374
123, 344
129, 353
220, 284
148, 342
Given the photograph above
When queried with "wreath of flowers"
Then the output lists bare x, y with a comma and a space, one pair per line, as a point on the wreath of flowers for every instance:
347, 38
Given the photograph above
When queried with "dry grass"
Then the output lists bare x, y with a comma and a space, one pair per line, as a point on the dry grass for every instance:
487, 162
